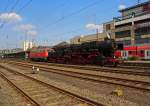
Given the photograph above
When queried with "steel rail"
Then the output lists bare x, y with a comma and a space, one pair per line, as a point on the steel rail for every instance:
80, 98
72, 74
32, 101
102, 69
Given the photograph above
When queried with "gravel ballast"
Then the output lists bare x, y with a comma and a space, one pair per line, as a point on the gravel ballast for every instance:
109, 100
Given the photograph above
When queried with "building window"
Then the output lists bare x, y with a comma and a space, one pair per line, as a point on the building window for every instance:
108, 27
79, 40
125, 42
142, 40
142, 31
123, 34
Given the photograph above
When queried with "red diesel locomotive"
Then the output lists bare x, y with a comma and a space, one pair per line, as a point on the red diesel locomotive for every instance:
39, 54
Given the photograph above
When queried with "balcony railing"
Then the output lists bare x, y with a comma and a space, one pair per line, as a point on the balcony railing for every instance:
117, 19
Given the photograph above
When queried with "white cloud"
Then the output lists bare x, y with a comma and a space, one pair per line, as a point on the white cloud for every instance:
10, 17
26, 27
121, 7
93, 26
32, 32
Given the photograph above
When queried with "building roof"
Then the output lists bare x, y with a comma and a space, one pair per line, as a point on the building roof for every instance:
135, 6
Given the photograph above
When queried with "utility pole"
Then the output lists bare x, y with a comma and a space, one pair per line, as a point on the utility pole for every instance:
6, 41
97, 33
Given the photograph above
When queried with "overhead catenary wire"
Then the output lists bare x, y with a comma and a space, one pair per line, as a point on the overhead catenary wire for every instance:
73, 13
12, 8
24, 6
72, 31
58, 8
7, 5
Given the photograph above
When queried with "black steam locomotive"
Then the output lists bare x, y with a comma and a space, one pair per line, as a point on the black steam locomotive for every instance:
96, 52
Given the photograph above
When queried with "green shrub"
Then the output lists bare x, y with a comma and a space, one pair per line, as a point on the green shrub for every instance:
133, 58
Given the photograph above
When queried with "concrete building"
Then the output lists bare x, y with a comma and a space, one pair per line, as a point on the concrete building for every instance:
133, 26
109, 28
88, 38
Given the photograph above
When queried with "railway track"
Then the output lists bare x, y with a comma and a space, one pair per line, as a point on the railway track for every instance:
121, 70
43, 94
141, 85
24, 95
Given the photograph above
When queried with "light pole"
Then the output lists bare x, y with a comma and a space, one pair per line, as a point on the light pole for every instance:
25, 41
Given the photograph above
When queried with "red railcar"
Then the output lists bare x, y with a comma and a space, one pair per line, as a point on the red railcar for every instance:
142, 52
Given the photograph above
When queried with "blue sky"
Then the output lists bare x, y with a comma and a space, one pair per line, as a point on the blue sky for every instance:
52, 21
